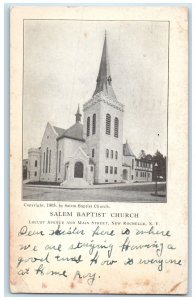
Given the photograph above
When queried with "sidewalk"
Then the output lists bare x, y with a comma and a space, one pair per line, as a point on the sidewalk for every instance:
96, 186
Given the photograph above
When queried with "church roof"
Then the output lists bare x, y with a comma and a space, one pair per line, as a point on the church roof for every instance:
104, 90
59, 130
127, 150
104, 79
75, 132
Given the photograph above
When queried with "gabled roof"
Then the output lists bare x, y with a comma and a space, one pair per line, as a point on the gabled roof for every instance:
75, 132
127, 150
85, 148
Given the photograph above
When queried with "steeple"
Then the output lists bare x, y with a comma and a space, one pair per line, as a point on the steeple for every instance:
78, 115
104, 79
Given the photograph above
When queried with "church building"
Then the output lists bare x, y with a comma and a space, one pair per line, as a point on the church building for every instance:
88, 153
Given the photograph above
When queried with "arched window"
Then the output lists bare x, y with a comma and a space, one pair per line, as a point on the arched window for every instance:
35, 163
46, 160
112, 153
49, 160
88, 126
59, 161
116, 125
116, 154
108, 124
94, 123
107, 153
93, 152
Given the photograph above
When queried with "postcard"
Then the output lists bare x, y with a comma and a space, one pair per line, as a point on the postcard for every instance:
99, 150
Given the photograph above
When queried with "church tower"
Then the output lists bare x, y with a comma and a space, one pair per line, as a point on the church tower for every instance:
103, 126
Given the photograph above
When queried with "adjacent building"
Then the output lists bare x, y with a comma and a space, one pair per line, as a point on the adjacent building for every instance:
143, 170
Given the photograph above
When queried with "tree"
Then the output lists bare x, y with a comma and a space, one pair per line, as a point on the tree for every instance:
161, 168
148, 157
156, 158
142, 154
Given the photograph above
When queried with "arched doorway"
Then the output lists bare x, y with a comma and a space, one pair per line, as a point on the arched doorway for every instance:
125, 174
78, 170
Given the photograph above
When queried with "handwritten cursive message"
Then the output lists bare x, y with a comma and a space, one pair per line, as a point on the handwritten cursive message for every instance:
65, 251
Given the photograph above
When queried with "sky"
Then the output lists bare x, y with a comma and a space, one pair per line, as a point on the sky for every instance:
61, 63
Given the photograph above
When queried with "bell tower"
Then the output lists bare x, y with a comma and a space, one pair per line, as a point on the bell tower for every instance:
103, 125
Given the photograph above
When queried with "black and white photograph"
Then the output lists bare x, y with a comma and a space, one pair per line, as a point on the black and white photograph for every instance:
95, 103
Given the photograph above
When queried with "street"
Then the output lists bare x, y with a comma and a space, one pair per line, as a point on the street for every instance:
124, 193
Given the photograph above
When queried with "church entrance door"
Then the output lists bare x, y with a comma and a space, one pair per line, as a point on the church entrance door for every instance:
125, 174
78, 170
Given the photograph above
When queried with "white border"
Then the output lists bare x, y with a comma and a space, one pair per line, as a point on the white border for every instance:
193, 113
